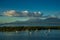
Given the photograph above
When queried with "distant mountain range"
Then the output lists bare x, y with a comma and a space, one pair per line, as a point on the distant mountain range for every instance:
36, 22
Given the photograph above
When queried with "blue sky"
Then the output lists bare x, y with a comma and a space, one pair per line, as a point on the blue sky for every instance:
45, 6
48, 7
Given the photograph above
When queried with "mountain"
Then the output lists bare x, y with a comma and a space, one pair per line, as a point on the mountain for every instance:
36, 22
51, 19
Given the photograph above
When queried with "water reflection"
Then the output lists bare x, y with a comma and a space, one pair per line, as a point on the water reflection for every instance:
31, 35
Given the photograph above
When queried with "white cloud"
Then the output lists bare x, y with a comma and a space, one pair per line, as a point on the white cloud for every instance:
22, 13
37, 14
25, 13
11, 13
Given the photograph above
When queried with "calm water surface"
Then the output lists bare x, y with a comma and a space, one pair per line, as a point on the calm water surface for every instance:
31, 35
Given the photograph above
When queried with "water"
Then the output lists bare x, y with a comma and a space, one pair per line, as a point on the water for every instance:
31, 35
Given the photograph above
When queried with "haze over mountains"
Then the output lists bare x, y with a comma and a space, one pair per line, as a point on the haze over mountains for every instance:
35, 22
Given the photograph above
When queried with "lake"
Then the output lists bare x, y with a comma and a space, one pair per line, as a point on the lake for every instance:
31, 35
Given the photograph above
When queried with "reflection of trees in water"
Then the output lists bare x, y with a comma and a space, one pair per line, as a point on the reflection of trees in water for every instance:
28, 28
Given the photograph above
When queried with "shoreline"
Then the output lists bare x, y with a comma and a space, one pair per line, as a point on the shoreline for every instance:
29, 28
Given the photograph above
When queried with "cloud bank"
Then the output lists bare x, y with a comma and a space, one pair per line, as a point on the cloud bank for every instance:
22, 13
26, 13
11, 13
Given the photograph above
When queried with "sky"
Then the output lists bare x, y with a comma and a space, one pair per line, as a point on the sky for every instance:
45, 6
48, 7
